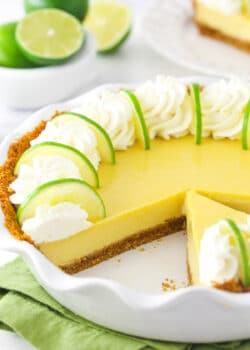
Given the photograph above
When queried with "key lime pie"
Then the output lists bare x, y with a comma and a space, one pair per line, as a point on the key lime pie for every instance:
127, 167
227, 20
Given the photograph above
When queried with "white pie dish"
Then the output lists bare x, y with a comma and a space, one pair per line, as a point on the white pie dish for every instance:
192, 314
37, 87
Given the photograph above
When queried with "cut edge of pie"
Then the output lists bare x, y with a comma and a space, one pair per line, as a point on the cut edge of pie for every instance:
201, 213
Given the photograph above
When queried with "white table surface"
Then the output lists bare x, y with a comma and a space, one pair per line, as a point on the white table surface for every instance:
135, 62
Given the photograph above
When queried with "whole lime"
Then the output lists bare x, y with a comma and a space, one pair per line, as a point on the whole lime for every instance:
77, 8
10, 54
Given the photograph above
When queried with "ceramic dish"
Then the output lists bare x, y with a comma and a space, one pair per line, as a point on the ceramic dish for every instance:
168, 27
37, 87
189, 314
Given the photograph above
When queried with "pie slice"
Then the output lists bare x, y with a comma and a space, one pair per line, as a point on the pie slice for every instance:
228, 21
203, 213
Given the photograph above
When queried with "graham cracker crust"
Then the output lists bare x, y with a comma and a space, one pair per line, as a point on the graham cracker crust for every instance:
215, 34
16, 149
232, 286
170, 226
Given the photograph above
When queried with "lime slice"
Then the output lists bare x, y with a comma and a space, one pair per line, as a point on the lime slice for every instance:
105, 146
195, 94
85, 167
245, 127
110, 23
77, 8
140, 123
65, 190
243, 251
49, 36
10, 54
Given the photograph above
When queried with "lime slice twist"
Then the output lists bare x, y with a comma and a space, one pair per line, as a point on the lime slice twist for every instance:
195, 94
243, 251
64, 190
140, 122
48, 148
104, 143
245, 127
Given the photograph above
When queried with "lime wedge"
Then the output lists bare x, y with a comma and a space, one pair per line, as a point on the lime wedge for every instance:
10, 54
49, 36
245, 127
195, 94
77, 8
140, 123
104, 143
47, 149
243, 251
110, 22
64, 190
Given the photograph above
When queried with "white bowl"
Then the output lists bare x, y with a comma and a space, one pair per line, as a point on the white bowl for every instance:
37, 87
193, 314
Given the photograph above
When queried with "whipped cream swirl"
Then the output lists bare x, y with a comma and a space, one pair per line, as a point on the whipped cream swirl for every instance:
228, 7
223, 104
43, 169
75, 133
52, 223
114, 112
167, 107
220, 255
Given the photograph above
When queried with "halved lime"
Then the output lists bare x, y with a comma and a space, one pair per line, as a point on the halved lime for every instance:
104, 143
110, 22
245, 267
47, 149
245, 127
140, 123
49, 36
77, 8
195, 95
65, 190
10, 54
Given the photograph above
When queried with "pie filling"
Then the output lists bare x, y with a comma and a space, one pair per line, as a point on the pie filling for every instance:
84, 189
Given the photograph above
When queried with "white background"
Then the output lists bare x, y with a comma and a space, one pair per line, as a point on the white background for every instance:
135, 62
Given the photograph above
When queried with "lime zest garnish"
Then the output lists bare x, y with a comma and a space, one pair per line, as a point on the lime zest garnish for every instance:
243, 251
245, 126
195, 94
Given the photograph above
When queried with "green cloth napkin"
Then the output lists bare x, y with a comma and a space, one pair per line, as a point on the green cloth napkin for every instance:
27, 309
